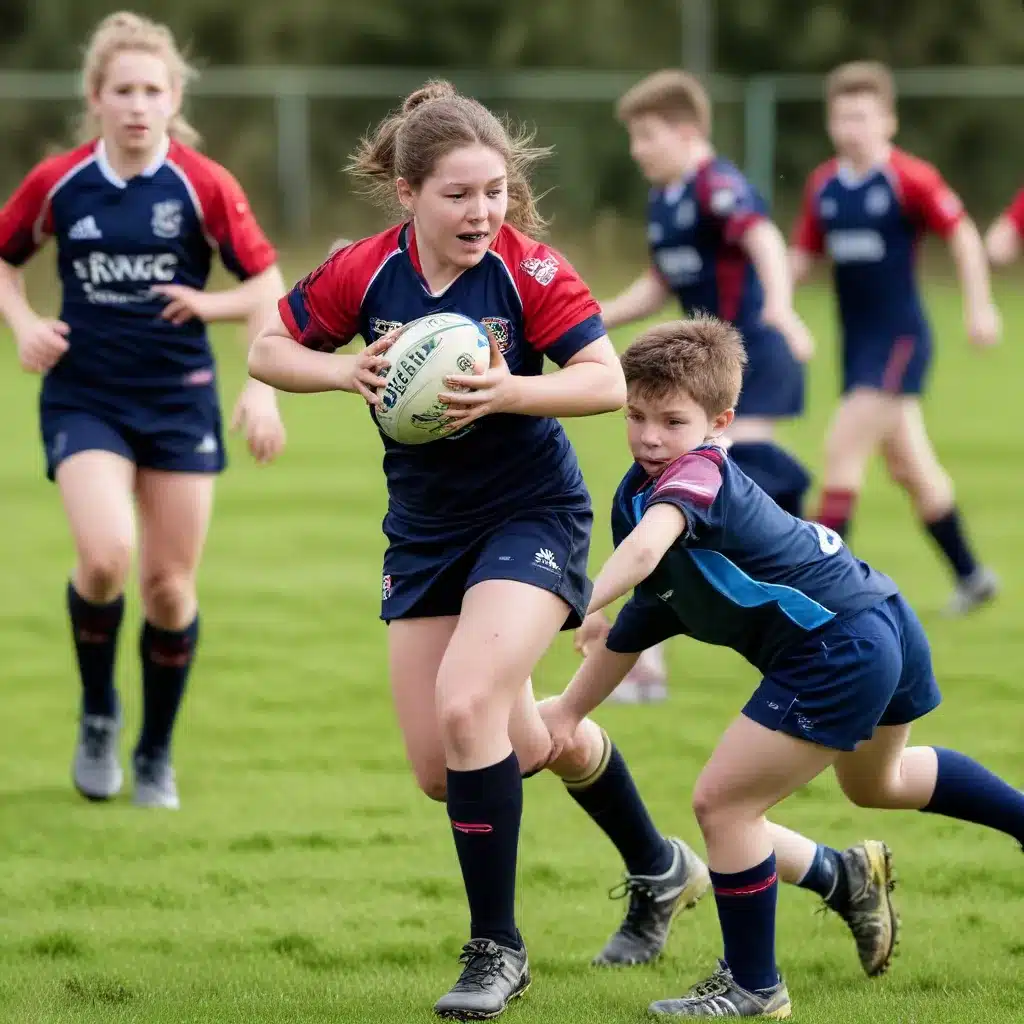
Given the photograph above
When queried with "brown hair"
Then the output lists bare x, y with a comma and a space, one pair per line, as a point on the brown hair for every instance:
433, 121
126, 32
703, 357
673, 94
859, 77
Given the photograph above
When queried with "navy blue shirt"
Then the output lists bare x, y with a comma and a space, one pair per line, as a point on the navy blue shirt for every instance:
744, 574
871, 227
115, 240
535, 305
694, 228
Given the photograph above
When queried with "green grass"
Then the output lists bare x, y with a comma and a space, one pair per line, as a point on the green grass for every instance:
305, 879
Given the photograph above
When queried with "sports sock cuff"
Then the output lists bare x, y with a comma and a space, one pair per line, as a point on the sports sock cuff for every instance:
602, 765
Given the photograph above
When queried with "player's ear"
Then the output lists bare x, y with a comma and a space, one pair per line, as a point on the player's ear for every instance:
722, 422
405, 194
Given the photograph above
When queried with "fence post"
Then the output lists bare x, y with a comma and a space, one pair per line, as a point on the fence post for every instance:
294, 173
759, 110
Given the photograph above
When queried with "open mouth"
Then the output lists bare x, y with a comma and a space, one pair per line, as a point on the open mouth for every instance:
472, 237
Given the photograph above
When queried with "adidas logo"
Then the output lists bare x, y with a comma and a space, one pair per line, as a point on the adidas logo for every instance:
208, 446
84, 230
546, 560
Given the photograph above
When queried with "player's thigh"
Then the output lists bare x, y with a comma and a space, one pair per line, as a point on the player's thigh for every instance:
909, 454
874, 767
752, 768
862, 419
504, 629
174, 518
96, 490
415, 649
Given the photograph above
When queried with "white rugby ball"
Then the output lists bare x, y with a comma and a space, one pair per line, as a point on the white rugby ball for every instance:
426, 352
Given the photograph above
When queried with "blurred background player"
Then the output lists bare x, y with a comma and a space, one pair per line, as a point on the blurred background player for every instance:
1002, 240
714, 248
129, 408
867, 209
846, 664
489, 529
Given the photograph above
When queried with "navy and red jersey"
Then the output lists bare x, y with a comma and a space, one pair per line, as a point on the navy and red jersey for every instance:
744, 574
694, 229
115, 240
870, 227
534, 303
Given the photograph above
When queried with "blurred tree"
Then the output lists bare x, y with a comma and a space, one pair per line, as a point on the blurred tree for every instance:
975, 142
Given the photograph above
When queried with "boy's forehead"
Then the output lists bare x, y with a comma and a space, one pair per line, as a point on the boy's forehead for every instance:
673, 398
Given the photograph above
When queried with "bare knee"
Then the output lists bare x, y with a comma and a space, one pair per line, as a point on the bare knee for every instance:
102, 570
169, 597
465, 717
710, 809
432, 783
868, 791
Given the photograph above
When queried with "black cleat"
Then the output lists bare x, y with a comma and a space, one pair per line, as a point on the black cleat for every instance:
492, 977
654, 900
869, 913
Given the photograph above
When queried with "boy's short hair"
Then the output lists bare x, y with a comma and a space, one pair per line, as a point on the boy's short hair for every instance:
862, 77
672, 94
703, 357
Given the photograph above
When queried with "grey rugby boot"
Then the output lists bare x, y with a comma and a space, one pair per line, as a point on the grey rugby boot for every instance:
155, 785
654, 900
492, 976
979, 588
720, 996
96, 769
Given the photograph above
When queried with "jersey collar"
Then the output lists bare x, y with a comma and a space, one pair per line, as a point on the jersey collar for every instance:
851, 179
674, 192
108, 172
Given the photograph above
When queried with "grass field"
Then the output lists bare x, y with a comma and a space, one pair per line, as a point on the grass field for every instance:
305, 879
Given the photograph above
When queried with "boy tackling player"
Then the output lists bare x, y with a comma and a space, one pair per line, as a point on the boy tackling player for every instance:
846, 663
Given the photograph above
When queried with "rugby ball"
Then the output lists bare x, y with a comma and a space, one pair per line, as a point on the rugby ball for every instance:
425, 352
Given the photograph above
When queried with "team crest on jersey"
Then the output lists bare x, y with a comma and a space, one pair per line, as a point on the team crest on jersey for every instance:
686, 214
723, 201
166, 222
542, 271
379, 327
501, 329
876, 202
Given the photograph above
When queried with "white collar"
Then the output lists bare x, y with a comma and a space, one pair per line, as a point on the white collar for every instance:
108, 172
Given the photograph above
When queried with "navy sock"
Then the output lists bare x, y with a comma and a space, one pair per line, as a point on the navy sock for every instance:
610, 797
746, 910
968, 791
827, 878
94, 628
485, 807
948, 534
776, 471
167, 656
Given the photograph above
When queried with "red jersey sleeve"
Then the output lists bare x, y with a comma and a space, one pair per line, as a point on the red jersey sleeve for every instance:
323, 311
807, 232
927, 198
1015, 212
27, 217
691, 484
228, 220
560, 316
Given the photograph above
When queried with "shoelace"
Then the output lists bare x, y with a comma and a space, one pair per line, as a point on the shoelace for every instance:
716, 985
94, 739
641, 897
483, 962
